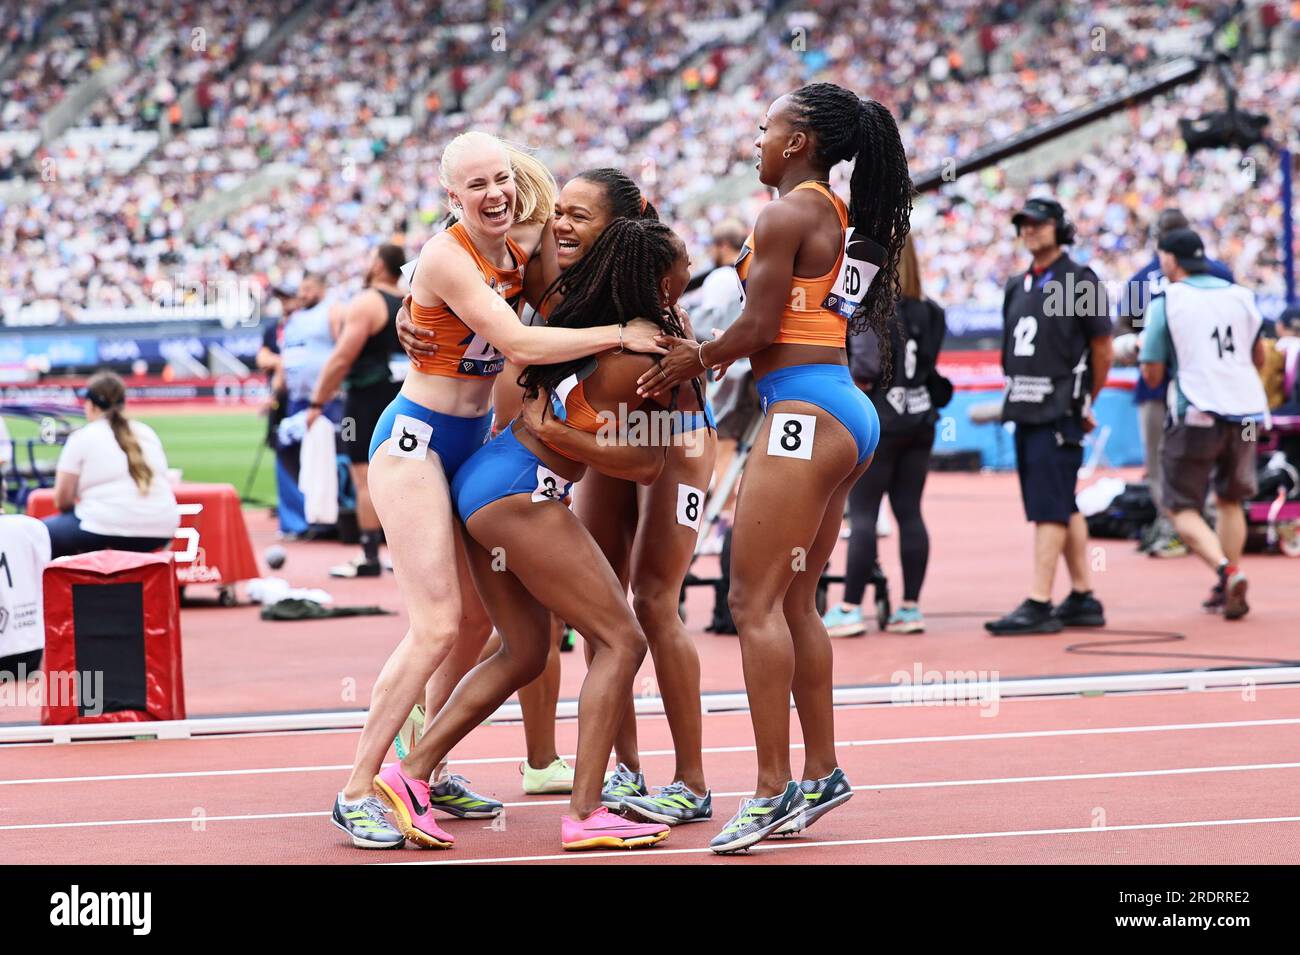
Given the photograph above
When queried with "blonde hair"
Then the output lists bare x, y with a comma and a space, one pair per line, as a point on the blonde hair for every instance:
107, 392
535, 188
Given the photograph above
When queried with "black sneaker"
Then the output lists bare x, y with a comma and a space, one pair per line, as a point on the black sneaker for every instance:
1031, 616
1214, 603
1233, 582
1080, 610
358, 567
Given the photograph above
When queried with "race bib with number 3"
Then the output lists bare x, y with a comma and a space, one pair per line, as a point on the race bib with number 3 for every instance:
792, 436
690, 506
550, 486
410, 438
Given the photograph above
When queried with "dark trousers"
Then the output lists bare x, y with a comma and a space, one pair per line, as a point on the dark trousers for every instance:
68, 537
899, 468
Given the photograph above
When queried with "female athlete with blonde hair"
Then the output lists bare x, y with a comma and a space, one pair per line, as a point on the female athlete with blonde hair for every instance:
466, 287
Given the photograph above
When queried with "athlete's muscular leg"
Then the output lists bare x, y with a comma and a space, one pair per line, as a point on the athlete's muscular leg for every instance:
538, 701
813, 677
607, 508
412, 501
475, 628
660, 558
779, 515
523, 625
556, 559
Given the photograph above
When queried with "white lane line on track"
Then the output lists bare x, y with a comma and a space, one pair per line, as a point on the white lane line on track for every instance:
868, 787
643, 855
496, 760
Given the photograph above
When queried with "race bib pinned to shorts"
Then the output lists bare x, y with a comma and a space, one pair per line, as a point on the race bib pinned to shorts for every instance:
792, 436
410, 438
690, 506
550, 486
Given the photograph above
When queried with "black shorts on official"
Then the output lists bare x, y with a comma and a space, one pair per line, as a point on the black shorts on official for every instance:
1191, 456
1048, 458
364, 406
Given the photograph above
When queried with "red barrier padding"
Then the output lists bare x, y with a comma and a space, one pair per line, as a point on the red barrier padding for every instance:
112, 639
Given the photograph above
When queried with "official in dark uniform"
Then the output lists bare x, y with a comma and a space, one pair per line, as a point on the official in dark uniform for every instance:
369, 360
1056, 353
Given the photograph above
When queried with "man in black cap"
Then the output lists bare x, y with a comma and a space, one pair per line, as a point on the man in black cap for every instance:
1204, 331
1147, 281
1056, 353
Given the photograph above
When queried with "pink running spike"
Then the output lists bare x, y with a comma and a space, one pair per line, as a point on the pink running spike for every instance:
604, 830
410, 801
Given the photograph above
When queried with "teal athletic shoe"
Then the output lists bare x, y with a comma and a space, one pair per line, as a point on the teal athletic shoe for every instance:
844, 621
672, 805
906, 620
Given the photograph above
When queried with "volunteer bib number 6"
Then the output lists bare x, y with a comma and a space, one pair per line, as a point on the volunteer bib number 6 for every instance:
792, 436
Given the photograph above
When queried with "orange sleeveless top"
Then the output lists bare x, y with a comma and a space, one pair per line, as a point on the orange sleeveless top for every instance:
569, 403
462, 352
818, 309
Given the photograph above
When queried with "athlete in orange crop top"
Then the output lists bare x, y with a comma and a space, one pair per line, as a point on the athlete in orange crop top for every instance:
813, 267
806, 318
462, 353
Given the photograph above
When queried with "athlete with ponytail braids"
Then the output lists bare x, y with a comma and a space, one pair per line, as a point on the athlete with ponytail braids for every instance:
812, 269
532, 555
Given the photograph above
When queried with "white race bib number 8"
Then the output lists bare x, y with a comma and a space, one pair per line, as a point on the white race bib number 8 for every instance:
410, 438
690, 506
792, 436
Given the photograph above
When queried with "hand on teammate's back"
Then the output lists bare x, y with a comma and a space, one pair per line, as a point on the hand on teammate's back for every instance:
416, 341
681, 363
641, 335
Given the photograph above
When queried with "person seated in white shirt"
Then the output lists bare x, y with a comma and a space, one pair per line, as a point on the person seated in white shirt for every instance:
111, 483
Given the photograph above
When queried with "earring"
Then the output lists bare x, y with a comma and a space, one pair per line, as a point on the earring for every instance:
786, 154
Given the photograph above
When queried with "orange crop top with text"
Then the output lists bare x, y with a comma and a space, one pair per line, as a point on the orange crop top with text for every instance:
818, 309
463, 353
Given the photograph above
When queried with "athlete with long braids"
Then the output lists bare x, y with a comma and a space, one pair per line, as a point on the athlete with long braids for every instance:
811, 269
648, 534
533, 555
466, 286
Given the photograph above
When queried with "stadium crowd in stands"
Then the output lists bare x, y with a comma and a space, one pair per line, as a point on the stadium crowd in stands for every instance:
333, 132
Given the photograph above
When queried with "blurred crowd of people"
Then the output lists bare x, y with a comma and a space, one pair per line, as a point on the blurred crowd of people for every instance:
359, 99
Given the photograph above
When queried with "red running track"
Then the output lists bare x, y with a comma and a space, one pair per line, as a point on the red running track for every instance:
1195, 778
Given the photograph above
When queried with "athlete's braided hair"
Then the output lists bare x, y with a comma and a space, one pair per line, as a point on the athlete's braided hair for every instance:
880, 191
616, 281
621, 194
